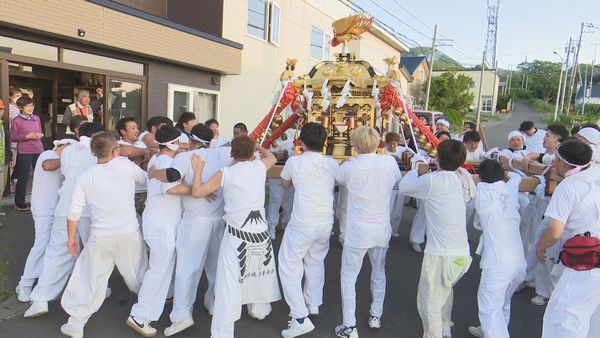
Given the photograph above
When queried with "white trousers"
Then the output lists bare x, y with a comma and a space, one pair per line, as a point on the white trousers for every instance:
35, 260
86, 289
419, 225
157, 280
352, 261
496, 288
198, 244
435, 295
570, 309
302, 254
58, 262
397, 210
279, 197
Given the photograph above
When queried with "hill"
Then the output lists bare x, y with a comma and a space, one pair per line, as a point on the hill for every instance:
441, 61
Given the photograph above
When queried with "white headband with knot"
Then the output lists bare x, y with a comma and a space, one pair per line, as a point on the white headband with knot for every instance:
63, 141
444, 122
171, 144
515, 133
576, 167
590, 134
197, 139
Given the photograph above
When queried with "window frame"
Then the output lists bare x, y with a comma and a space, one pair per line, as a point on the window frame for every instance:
271, 5
269, 23
173, 87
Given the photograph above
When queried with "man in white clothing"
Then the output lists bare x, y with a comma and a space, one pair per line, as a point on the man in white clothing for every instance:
573, 210
370, 179
115, 240
475, 153
160, 222
47, 180
393, 148
306, 239
200, 232
500, 247
279, 197
58, 263
534, 137
447, 251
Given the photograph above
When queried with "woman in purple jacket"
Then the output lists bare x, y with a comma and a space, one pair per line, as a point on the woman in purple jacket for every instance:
26, 129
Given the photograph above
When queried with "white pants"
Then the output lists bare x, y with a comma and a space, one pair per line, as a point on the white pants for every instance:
575, 299
58, 262
419, 225
86, 289
341, 209
35, 259
496, 288
397, 210
302, 253
227, 331
435, 294
157, 280
198, 244
279, 197
352, 261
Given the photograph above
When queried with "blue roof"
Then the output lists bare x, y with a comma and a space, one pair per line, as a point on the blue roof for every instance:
595, 92
411, 63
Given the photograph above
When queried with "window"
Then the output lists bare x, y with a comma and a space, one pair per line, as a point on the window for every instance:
486, 103
26, 48
320, 47
102, 62
421, 74
124, 100
263, 20
203, 103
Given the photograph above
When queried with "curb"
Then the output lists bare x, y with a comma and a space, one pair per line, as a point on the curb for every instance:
11, 307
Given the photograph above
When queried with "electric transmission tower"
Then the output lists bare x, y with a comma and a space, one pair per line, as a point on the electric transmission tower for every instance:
492, 31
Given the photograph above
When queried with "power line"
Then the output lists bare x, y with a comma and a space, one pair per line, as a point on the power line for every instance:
402, 21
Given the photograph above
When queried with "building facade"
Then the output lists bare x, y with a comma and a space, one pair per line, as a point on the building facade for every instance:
274, 30
489, 88
130, 55
418, 68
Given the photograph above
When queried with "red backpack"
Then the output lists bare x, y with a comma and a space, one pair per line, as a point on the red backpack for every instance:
581, 252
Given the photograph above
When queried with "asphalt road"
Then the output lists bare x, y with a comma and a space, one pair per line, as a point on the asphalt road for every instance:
400, 318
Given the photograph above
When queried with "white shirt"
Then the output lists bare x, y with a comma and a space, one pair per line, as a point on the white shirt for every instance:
109, 190
313, 176
137, 144
514, 153
370, 179
44, 190
442, 195
477, 155
243, 190
199, 208
576, 202
162, 213
74, 160
217, 142
536, 141
547, 159
497, 215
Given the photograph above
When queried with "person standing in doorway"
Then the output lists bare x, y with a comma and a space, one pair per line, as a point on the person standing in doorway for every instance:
26, 129
80, 107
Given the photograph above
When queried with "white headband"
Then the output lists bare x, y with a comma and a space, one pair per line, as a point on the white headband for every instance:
197, 139
576, 168
171, 144
515, 133
444, 122
63, 141
590, 134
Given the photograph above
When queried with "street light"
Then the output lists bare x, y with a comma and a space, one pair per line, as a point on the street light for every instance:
559, 85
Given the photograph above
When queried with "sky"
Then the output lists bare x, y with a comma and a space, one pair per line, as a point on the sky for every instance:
531, 29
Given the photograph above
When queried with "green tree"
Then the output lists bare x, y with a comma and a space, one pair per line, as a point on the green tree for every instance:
542, 78
450, 91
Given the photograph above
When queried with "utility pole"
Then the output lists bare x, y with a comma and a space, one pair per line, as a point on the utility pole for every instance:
479, 95
564, 89
584, 91
509, 79
431, 67
562, 67
494, 89
576, 61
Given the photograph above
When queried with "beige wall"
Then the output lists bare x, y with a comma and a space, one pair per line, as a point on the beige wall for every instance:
249, 96
490, 85
111, 28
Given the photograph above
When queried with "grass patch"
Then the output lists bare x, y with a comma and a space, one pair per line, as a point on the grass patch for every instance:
540, 106
3, 278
